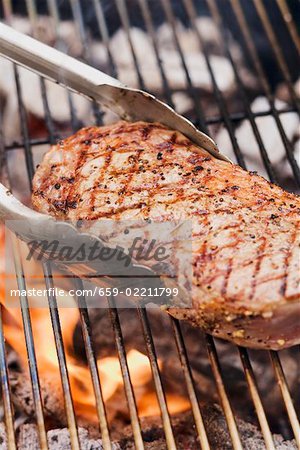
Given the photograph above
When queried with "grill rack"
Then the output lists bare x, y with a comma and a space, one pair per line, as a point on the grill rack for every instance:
229, 120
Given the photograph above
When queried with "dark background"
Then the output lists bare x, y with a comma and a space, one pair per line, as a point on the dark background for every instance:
265, 52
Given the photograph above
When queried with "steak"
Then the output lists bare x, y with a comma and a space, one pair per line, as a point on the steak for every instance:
245, 236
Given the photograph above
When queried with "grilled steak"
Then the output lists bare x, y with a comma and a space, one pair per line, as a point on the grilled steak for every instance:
245, 230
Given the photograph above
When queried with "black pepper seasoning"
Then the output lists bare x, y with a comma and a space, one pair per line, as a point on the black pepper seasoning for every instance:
198, 168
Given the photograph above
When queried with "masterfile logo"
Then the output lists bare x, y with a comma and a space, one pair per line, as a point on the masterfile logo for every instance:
144, 261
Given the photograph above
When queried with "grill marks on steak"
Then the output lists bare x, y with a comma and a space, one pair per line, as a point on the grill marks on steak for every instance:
245, 230
113, 174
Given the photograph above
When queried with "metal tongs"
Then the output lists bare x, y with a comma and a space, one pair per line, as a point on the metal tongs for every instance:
129, 104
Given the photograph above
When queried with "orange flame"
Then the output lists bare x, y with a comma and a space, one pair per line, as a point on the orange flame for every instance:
79, 375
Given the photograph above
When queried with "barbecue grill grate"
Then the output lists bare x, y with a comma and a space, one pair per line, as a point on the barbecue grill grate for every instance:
225, 117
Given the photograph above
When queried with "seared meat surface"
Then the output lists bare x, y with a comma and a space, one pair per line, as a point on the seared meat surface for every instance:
245, 230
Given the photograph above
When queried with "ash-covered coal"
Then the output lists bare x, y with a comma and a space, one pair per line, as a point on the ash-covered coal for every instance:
171, 370
153, 435
66, 38
271, 139
217, 433
58, 439
171, 373
114, 23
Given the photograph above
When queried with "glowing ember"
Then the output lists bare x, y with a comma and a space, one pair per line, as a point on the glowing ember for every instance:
79, 375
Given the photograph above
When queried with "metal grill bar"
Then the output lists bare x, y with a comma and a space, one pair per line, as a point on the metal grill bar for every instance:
170, 441
77, 14
5, 384
286, 395
190, 385
136, 428
288, 18
104, 35
213, 120
218, 20
276, 48
7, 8
91, 358
256, 399
170, 18
239, 14
218, 95
4, 175
35, 382
71, 419
151, 31
24, 129
32, 13
125, 22
225, 402
8, 408
54, 12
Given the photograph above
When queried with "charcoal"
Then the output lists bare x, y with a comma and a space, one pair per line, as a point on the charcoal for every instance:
171, 370
21, 393
3, 438
58, 439
259, 37
153, 435
186, 437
